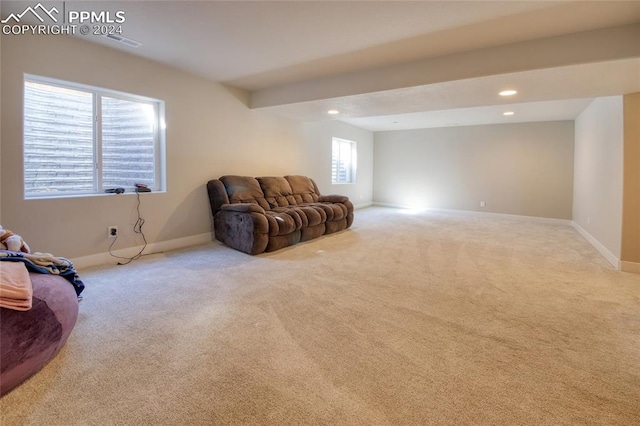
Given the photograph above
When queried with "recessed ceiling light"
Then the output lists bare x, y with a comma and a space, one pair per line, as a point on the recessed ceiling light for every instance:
508, 93
333, 112
508, 113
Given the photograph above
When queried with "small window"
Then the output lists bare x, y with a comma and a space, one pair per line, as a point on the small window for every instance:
81, 140
343, 161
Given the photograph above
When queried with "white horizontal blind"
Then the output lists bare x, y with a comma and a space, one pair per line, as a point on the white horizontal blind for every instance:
58, 140
81, 140
343, 161
128, 143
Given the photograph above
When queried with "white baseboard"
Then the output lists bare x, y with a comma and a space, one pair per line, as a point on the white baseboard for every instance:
160, 246
605, 252
630, 267
392, 205
362, 206
549, 220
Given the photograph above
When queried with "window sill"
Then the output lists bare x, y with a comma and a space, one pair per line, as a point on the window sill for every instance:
92, 195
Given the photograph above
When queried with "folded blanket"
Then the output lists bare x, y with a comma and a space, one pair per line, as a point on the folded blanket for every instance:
16, 291
46, 263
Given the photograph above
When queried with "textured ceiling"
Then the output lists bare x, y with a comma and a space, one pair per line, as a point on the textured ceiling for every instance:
271, 47
550, 94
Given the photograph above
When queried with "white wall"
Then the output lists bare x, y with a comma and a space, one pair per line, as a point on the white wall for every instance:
318, 138
210, 132
523, 169
597, 196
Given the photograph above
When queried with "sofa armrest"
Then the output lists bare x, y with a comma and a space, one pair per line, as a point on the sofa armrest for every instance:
333, 199
242, 208
246, 230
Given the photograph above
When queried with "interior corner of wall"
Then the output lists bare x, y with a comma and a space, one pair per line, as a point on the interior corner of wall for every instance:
604, 251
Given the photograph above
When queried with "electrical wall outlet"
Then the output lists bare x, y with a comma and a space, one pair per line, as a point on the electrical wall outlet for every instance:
112, 231
483, 204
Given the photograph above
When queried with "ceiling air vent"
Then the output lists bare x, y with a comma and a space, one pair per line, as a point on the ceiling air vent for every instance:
124, 40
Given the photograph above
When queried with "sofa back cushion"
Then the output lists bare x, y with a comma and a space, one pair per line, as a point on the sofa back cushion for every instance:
304, 189
217, 195
277, 191
244, 189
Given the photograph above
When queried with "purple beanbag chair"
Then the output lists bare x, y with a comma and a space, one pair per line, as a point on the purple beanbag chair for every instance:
30, 339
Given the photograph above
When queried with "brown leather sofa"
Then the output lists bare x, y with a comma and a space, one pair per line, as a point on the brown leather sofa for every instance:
256, 215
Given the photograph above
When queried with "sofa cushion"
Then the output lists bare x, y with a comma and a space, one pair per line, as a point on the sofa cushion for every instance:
311, 216
333, 198
244, 189
217, 195
277, 191
304, 189
332, 211
282, 222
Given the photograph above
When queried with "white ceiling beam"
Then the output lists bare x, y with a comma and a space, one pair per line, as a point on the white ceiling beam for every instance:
585, 47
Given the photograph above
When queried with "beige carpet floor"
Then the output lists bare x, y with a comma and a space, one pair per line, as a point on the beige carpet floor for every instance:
426, 319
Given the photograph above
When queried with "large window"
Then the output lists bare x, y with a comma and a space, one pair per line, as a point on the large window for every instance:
343, 161
81, 140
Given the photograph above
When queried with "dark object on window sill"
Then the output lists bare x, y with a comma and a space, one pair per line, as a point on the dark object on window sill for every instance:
114, 190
